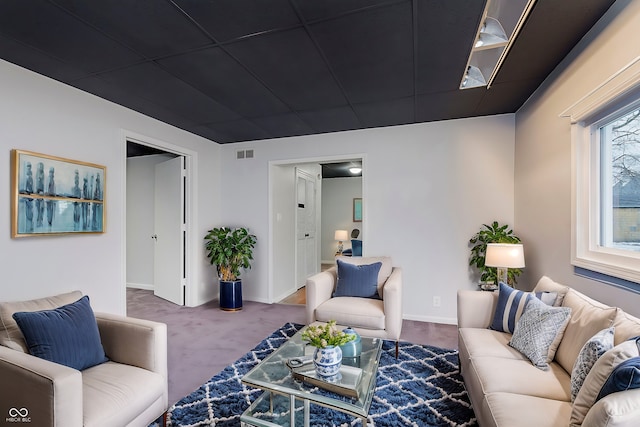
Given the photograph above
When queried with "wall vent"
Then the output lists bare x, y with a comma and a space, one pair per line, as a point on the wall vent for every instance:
244, 154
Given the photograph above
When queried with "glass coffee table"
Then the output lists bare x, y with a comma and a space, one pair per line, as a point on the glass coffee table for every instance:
286, 400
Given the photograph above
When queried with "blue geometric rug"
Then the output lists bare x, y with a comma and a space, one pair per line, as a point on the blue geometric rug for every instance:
423, 387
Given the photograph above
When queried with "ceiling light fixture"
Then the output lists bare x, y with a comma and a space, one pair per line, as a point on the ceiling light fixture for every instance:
501, 22
355, 170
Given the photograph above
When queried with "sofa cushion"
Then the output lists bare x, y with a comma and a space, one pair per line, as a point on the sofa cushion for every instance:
514, 409
511, 304
496, 374
357, 280
479, 342
10, 335
537, 329
627, 326
67, 335
366, 313
598, 376
590, 353
545, 284
587, 318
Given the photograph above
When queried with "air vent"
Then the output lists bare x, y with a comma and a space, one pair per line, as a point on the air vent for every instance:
244, 154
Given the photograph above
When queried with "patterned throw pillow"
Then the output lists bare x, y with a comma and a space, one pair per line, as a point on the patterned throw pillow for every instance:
590, 353
511, 304
537, 330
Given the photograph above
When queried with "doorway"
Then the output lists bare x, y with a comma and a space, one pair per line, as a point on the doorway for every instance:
156, 220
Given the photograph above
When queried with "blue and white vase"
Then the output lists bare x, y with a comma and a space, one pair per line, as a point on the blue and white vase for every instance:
327, 362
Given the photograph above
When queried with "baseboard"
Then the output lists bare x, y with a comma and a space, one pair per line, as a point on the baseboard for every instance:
433, 319
140, 286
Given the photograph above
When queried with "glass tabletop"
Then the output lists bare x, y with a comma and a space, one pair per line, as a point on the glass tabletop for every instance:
272, 374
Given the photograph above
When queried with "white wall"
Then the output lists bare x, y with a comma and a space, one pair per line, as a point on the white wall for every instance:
424, 196
141, 219
543, 154
45, 116
337, 212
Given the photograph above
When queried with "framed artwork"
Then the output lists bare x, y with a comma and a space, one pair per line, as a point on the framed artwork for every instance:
52, 195
357, 210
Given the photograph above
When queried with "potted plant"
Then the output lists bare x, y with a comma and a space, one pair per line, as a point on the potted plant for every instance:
494, 233
230, 250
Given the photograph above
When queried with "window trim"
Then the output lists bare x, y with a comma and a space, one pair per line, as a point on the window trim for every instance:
585, 186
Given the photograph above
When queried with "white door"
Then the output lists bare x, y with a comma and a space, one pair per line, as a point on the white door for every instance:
169, 235
306, 247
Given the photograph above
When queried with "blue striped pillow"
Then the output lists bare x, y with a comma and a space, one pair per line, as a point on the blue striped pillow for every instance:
511, 304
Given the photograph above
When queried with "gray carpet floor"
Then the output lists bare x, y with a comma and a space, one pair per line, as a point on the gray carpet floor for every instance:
203, 340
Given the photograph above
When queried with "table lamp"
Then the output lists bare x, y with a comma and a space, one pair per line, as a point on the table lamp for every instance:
504, 256
341, 236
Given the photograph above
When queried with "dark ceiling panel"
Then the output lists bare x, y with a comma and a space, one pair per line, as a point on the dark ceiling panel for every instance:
154, 84
238, 70
50, 29
290, 65
150, 27
371, 52
445, 27
386, 113
229, 19
37, 61
331, 119
220, 77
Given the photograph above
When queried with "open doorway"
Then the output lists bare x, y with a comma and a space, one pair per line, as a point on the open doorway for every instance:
156, 236
334, 197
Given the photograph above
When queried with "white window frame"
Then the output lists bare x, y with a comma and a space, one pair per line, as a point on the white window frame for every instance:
586, 252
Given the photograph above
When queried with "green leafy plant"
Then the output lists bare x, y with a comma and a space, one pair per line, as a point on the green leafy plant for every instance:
230, 250
322, 336
494, 233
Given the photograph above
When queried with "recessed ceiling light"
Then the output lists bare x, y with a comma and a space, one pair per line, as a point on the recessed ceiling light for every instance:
355, 170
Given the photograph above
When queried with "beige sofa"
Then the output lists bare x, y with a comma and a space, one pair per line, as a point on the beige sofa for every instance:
130, 389
506, 389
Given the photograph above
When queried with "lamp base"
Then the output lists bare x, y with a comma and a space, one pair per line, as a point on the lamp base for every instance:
503, 275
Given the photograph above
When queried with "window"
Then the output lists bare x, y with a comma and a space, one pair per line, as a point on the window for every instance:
606, 177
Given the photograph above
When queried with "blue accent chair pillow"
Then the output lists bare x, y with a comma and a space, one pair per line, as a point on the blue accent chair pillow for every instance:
67, 335
357, 280
511, 304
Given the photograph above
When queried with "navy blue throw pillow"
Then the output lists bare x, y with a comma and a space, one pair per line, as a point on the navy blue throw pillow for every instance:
357, 280
67, 335
625, 376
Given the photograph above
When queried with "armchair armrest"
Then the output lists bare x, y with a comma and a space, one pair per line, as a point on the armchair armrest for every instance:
137, 342
319, 288
51, 393
476, 308
392, 300
620, 409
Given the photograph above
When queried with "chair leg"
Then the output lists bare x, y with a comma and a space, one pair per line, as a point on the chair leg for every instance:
164, 419
397, 349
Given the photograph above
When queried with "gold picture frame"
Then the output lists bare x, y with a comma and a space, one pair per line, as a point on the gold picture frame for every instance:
53, 195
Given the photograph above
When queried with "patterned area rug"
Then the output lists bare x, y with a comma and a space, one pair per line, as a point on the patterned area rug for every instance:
421, 388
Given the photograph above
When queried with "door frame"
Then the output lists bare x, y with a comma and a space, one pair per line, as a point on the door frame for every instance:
191, 206
273, 209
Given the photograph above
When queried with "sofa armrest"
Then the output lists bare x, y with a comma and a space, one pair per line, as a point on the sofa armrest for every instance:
51, 393
620, 409
476, 308
136, 342
319, 288
392, 300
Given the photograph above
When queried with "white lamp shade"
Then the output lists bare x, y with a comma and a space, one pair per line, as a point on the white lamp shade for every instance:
341, 235
509, 255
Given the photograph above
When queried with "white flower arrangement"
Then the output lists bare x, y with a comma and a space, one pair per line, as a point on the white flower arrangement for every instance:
326, 335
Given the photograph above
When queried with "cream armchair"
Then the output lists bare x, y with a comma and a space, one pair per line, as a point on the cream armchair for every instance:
131, 389
377, 318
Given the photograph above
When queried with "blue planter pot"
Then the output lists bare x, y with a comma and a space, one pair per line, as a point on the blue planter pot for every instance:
231, 295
